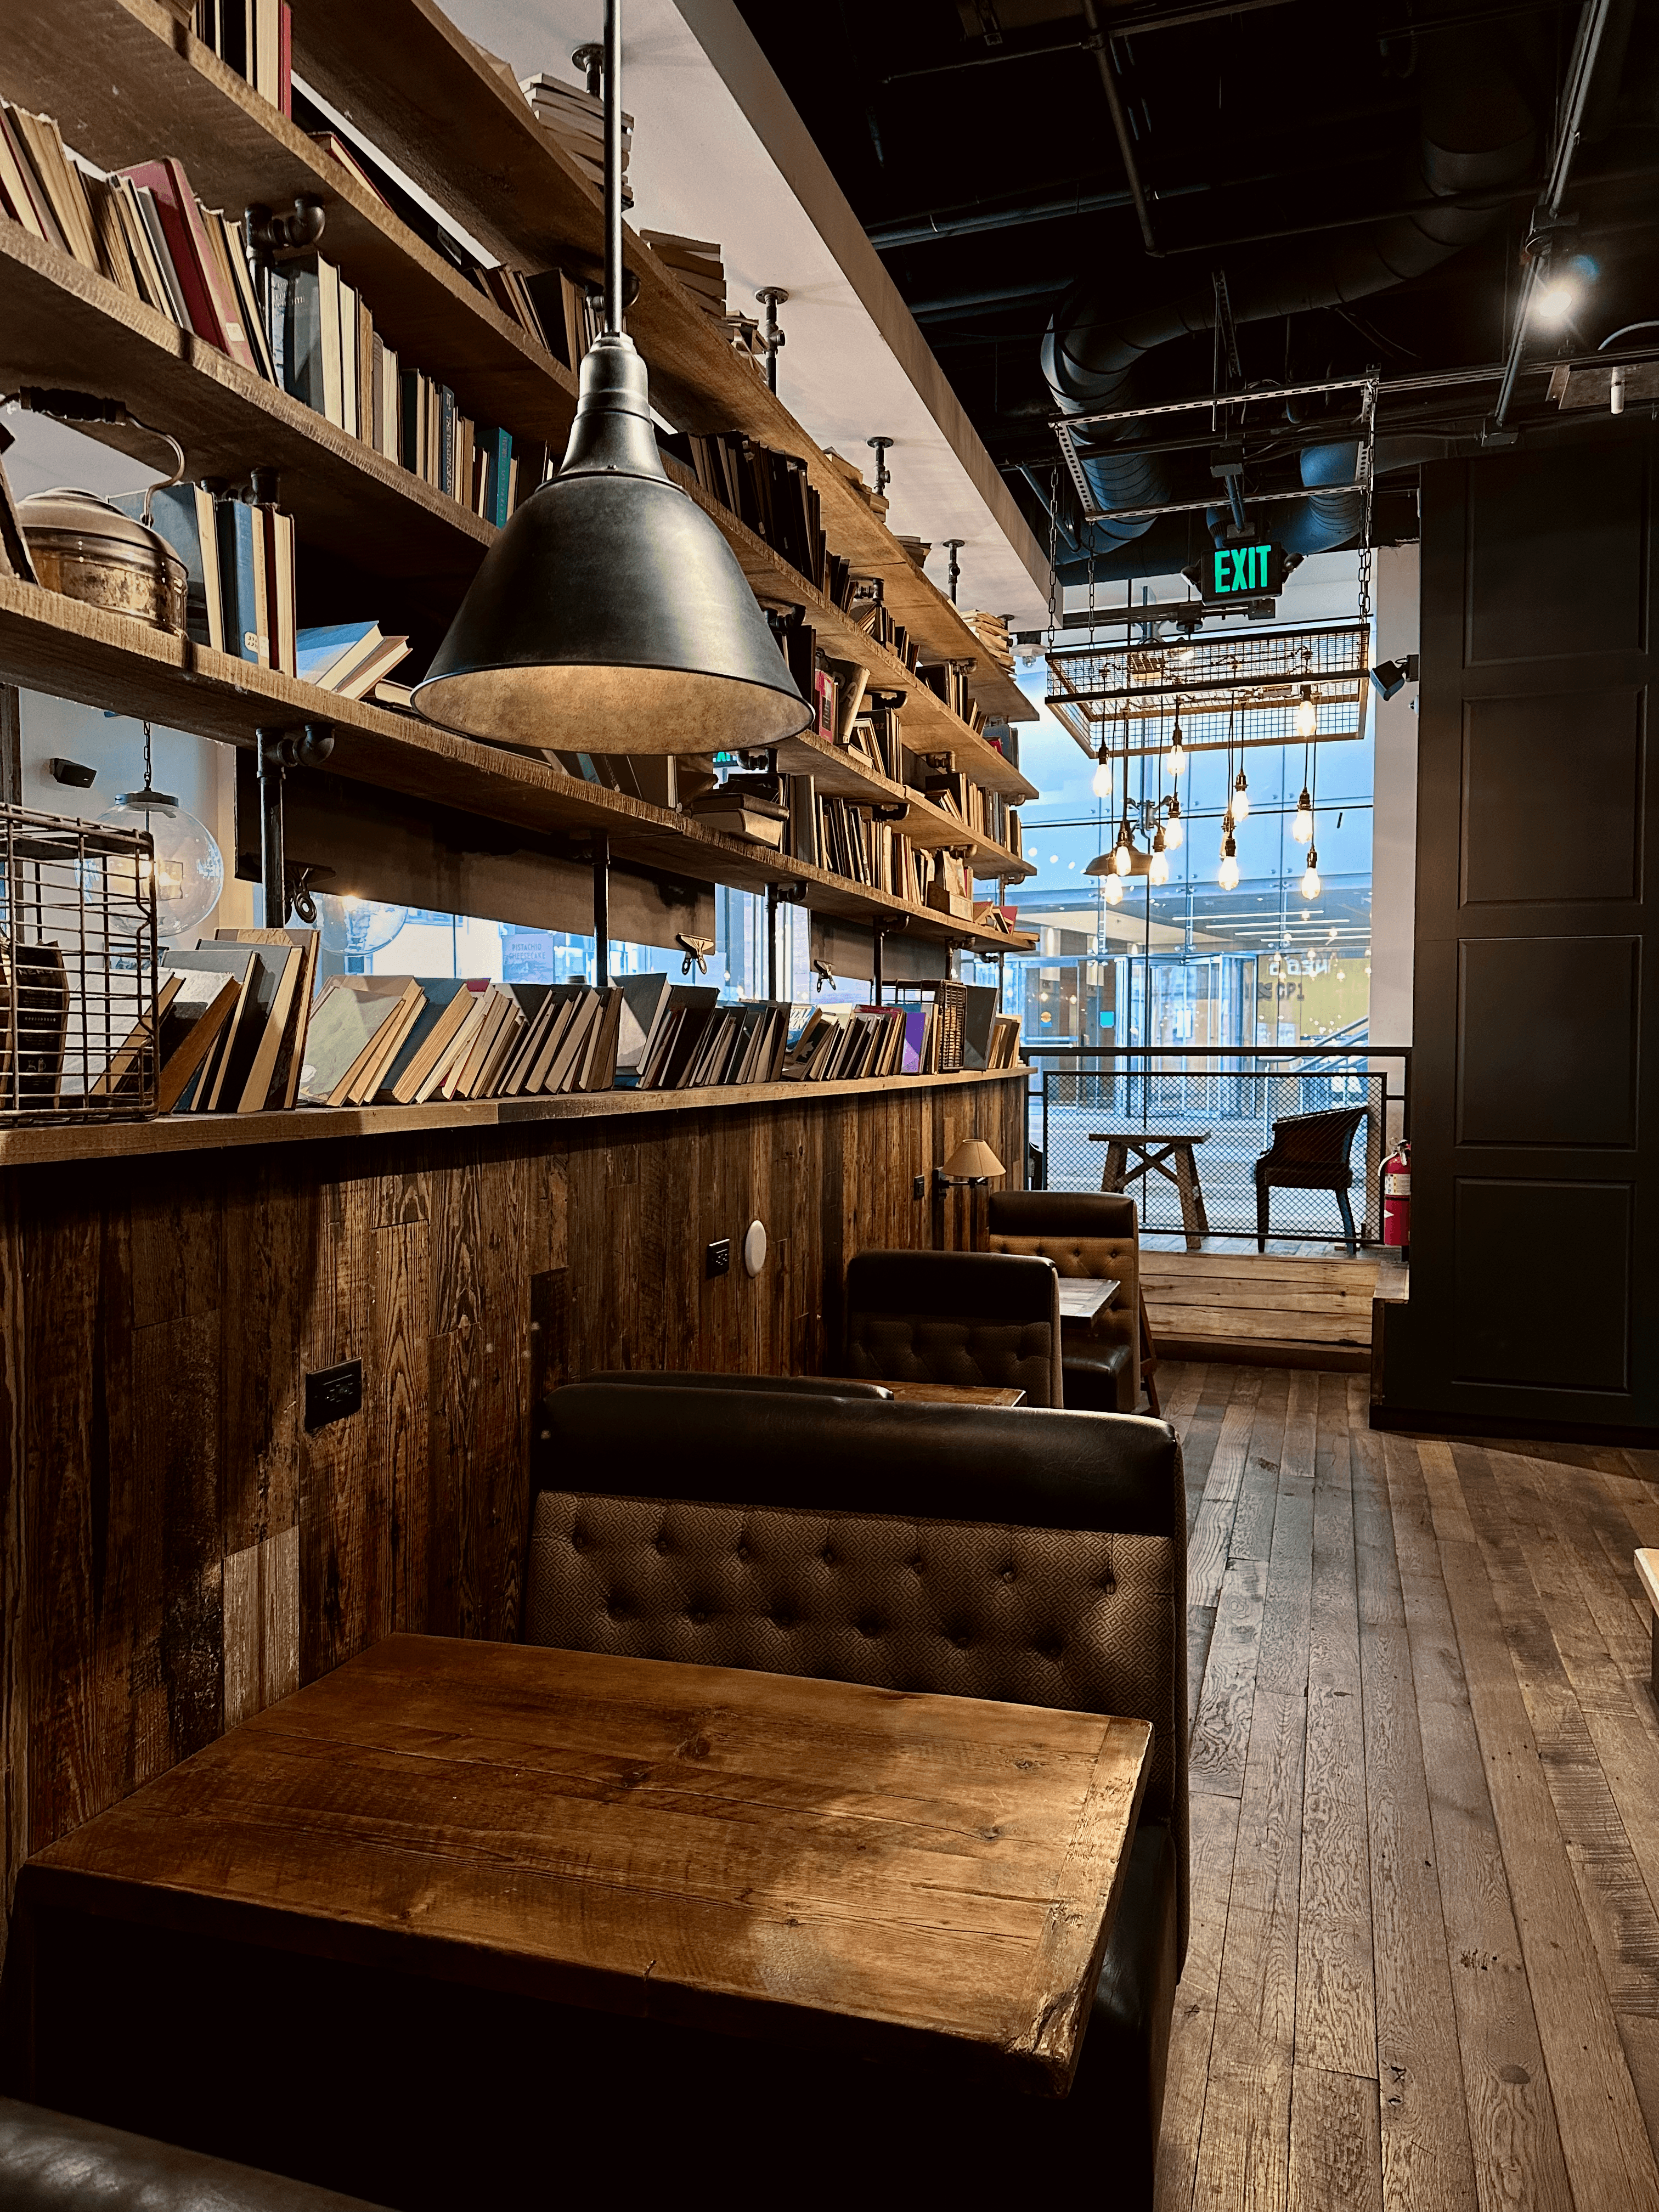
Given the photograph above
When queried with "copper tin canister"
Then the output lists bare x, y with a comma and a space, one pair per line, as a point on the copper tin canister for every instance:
88, 550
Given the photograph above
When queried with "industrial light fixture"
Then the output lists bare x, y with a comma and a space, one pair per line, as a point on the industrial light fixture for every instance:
1227, 874
1158, 871
1302, 825
1173, 829
1123, 851
973, 1161
1310, 885
610, 605
1307, 713
1392, 676
1103, 776
1241, 800
1175, 759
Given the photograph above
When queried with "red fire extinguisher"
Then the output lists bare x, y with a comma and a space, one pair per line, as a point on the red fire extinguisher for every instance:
1397, 1197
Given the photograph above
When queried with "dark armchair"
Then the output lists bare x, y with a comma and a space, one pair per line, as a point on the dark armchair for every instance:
968, 1318
1309, 1151
1088, 1233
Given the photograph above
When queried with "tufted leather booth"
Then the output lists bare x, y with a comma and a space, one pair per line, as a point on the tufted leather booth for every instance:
1035, 1555
51, 2163
818, 1386
1083, 1233
968, 1318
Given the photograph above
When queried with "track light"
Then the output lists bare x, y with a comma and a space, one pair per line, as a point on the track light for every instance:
1302, 826
1391, 676
1307, 713
1310, 886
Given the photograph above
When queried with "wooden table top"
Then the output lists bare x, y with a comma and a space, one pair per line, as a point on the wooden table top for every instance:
943, 1394
1082, 1297
760, 1854
1140, 1137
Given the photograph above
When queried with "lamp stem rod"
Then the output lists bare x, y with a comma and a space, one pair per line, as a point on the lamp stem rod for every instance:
613, 169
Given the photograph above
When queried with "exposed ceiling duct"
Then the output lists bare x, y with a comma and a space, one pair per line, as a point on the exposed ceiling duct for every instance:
1476, 134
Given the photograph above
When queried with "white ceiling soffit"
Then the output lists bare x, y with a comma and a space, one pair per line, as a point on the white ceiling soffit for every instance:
719, 153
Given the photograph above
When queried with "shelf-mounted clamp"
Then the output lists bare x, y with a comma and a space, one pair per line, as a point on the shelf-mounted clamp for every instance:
269, 234
696, 949
826, 974
280, 750
883, 926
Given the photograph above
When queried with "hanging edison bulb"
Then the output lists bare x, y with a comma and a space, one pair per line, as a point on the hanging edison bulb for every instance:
1158, 870
1122, 855
1307, 713
1302, 823
1227, 874
1310, 886
1175, 828
1103, 776
1240, 798
1114, 891
1175, 759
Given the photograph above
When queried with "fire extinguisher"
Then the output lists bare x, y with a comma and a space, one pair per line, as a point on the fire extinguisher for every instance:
1397, 1197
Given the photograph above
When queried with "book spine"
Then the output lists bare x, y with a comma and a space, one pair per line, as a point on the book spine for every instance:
285, 58
445, 440
302, 336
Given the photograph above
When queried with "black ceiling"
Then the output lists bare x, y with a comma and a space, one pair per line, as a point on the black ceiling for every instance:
1287, 144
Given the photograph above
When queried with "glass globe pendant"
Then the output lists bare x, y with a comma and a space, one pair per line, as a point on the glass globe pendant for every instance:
1302, 825
358, 926
1310, 885
610, 612
187, 868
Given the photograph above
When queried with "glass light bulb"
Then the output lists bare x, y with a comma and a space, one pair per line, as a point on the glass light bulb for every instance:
188, 870
1175, 759
1103, 779
1113, 891
1227, 874
1120, 859
1175, 830
1310, 876
1553, 302
1240, 799
1158, 870
357, 926
1302, 825
1307, 715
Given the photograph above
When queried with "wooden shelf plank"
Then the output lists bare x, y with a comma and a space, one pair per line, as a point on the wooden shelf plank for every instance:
53, 644
209, 1132
63, 325
414, 83
178, 97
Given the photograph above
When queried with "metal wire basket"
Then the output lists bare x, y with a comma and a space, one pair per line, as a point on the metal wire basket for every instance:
1234, 689
77, 971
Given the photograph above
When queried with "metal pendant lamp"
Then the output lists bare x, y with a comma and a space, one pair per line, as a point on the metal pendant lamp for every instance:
611, 614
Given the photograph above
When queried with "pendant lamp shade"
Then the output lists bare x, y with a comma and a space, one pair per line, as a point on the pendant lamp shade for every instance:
611, 614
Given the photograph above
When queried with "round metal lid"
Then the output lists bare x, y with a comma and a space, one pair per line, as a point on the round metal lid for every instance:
59, 516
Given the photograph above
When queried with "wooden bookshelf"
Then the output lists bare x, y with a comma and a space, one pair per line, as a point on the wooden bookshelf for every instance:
62, 1145
50, 643
178, 97
415, 84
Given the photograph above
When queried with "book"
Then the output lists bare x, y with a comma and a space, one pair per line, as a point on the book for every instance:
190, 1028
144, 224
242, 1031
59, 183
25, 203
348, 1015
349, 657
447, 1002
240, 582
214, 314
275, 1062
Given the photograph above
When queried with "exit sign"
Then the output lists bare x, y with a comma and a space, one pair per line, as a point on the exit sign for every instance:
1242, 572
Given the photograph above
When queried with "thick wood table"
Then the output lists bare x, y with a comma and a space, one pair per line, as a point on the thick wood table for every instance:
1158, 1152
944, 1394
904, 1877
1082, 1297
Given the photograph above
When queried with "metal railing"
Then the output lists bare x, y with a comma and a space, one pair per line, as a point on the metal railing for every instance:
1225, 1098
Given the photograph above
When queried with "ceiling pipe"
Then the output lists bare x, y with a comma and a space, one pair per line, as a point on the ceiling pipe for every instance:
1101, 47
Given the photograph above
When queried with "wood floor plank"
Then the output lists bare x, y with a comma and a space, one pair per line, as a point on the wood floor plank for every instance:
1252, 1533
1221, 1728
1427, 2164
1609, 2159
1244, 2154
1336, 2154
1206, 1549
1214, 1840
1335, 2000
1511, 2116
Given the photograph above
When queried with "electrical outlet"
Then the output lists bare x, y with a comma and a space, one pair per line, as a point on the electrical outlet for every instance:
719, 1258
918, 1185
332, 1393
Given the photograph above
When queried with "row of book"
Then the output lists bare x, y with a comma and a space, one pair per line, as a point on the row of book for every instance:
950, 685
766, 489
255, 37
839, 1044
988, 813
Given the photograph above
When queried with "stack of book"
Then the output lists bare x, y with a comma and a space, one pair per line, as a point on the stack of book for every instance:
350, 659
875, 500
696, 1042
754, 806
239, 562
696, 264
1004, 1051
406, 1040
848, 841
841, 1044
256, 38
991, 631
574, 118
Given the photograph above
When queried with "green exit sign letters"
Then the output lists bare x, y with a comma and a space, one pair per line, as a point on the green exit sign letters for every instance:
1244, 572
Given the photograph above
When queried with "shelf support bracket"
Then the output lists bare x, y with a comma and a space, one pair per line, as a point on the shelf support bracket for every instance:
280, 750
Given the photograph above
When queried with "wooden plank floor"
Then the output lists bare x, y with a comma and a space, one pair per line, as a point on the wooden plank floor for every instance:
1423, 1972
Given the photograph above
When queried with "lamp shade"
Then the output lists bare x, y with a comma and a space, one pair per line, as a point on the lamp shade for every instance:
611, 614
973, 1161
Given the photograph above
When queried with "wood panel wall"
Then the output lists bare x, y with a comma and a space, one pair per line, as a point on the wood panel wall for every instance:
176, 1552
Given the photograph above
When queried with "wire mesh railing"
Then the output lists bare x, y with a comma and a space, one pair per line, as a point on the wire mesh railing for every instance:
1182, 1132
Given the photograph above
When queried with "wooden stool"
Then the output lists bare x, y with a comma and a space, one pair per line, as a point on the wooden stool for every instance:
1165, 1152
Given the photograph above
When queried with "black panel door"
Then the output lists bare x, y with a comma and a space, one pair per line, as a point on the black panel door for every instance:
1535, 1178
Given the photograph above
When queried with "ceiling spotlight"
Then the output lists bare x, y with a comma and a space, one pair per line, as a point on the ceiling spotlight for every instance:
1114, 891
1390, 676
1240, 799
1307, 713
1302, 825
1310, 886
1103, 777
